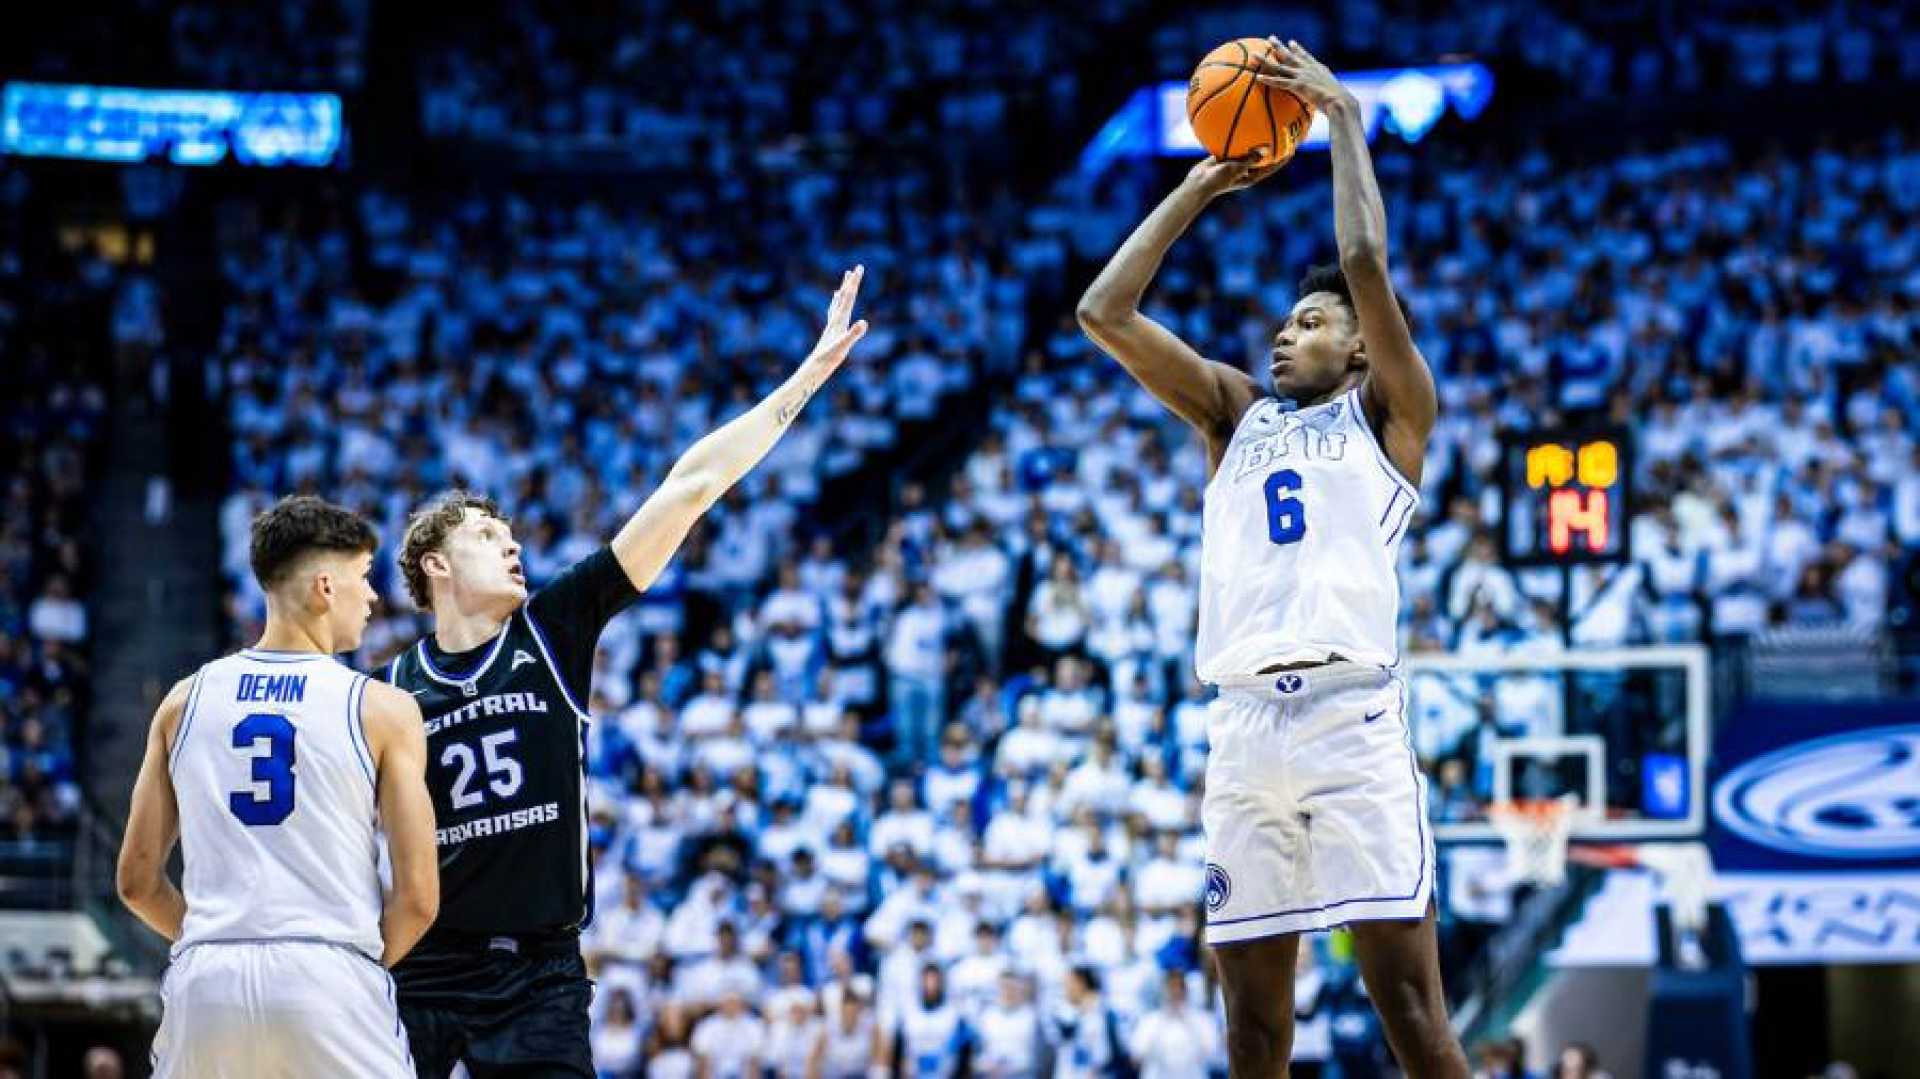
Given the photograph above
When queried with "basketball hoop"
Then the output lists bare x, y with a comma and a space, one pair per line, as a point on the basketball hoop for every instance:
1535, 831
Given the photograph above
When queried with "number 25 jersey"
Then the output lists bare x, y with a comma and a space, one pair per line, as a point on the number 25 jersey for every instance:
506, 756
1301, 541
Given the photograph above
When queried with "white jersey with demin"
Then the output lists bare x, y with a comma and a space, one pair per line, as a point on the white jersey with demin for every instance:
275, 783
1301, 542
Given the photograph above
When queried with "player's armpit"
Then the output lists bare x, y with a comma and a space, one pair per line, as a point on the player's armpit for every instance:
397, 737
1210, 396
153, 826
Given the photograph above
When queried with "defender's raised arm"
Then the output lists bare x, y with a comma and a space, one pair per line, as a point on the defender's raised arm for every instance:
714, 464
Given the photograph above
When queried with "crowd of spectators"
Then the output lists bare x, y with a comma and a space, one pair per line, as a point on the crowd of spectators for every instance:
282, 45
750, 73
1592, 50
562, 353
52, 417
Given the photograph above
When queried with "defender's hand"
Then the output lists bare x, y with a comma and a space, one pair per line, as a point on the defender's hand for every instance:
838, 336
837, 339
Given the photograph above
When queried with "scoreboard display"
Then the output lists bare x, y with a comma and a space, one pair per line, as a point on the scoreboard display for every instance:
1566, 497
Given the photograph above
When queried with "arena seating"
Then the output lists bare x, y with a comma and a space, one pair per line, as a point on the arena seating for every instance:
51, 427
1591, 51
286, 45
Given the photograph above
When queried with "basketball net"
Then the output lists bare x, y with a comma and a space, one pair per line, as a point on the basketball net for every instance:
1535, 831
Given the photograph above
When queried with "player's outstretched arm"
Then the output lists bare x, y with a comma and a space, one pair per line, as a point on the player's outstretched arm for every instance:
1400, 391
397, 738
153, 826
714, 464
1209, 396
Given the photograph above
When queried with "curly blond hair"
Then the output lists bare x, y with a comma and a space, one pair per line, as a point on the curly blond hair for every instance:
428, 528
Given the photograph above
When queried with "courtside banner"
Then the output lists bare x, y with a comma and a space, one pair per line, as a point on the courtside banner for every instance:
1814, 822
1799, 918
1817, 787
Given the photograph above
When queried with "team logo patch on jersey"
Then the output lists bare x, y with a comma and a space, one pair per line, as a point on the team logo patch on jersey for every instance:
1302, 436
1289, 684
1219, 886
520, 655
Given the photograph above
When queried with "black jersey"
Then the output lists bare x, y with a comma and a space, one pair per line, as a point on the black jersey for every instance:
506, 756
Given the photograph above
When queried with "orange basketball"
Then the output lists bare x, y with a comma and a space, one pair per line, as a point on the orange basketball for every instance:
1233, 114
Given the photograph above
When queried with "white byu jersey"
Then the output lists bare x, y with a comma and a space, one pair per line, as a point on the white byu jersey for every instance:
275, 782
1301, 541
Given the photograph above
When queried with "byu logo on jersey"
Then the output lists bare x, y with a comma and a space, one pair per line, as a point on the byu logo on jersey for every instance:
520, 655
1847, 796
1219, 886
1308, 436
1290, 684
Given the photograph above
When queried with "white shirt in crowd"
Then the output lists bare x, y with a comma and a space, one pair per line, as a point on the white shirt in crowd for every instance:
788, 1047
975, 980
616, 1049
626, 933
1168, 882
916, 648
912, 828
1174, 1044
1009, 1041
730, 1045
710, 979
56, 618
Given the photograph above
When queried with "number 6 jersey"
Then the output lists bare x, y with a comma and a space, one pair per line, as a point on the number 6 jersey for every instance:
506, 753
275, 786
1301, 542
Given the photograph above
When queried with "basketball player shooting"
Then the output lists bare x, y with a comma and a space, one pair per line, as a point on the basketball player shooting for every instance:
1315, 810
499, 982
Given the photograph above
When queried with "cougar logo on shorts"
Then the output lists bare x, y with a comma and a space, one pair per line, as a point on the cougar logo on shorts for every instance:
1219, 887
1843, 796
1290, 683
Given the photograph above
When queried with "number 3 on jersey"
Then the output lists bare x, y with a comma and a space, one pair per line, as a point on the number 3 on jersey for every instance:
273, 768
1286, 517
505, 774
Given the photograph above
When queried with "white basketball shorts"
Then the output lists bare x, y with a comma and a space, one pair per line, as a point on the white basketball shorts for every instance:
288, 1010
1315, 809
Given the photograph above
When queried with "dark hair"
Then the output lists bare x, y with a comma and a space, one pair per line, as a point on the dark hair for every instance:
1329, 277
300, 525
427, 529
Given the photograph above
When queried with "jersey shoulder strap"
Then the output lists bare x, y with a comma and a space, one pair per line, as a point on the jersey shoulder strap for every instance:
546, 654
187, 711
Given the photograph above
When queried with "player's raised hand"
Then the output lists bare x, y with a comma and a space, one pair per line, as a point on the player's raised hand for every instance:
837, 338
1289, 66
1217, 177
